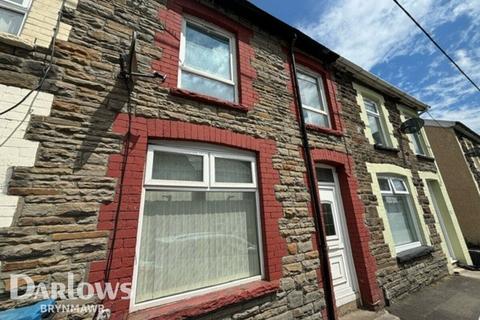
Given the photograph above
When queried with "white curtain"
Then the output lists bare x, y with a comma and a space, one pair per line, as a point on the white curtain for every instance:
400, 219
10, 21
231, 170
177, 166
192, 240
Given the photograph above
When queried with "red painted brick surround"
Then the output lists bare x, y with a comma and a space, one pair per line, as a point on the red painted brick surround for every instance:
169, 41
359, 236
124, 251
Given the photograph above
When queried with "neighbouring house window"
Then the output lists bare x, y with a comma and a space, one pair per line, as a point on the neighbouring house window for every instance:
400, 212
475, 159
375, 121
207, 60
419, 143
12, 15
200, 225
314, 103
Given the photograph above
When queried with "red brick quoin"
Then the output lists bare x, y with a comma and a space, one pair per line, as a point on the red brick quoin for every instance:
364, 262
169, 42
124, 250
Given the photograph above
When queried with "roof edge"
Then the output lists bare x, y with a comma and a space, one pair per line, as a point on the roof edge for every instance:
363, 75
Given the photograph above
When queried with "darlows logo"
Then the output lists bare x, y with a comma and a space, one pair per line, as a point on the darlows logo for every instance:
23, 287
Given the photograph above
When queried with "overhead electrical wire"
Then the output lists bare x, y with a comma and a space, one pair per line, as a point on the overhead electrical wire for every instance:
47, 69
437, 45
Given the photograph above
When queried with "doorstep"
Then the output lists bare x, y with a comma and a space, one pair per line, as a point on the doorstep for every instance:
369, 315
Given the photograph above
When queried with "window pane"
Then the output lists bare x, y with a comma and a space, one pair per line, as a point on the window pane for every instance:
325, 175
370, 105
192, 240
384, 185
400, 219
208, 52
207, 86
418, 143
376, 129
177, 166
329, 222
317, 119
310, 92
10, 21
231, 170
399, 185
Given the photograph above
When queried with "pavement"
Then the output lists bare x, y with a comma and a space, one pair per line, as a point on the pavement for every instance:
369, 315
455, 297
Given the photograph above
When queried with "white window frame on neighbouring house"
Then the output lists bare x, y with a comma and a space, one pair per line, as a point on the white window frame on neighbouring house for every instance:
308, 75
209, 29
419, 144
209, 153
395, 192
377, 116
22, 8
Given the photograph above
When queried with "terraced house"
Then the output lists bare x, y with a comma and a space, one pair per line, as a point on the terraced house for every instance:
265, 178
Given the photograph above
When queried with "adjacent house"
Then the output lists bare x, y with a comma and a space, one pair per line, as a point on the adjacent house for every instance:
266, 178
457, 150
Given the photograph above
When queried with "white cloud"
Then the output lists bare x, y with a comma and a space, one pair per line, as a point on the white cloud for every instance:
371, 32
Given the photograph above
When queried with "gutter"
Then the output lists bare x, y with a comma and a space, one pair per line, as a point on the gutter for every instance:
314, 195
380, 84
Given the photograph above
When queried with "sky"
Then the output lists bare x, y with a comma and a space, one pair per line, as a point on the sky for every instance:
379, 37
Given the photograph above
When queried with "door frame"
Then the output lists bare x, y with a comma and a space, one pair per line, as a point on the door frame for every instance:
337, 192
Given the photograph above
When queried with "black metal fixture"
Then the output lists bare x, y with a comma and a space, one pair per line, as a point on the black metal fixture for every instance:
314, 194
129, 66
412, 125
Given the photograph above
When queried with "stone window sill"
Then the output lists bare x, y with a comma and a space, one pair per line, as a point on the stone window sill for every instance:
425, 158
324, 130
206, 99
196, 306
414, 253
385, 148
16, 41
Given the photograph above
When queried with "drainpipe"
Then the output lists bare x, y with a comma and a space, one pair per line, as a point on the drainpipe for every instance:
314, 194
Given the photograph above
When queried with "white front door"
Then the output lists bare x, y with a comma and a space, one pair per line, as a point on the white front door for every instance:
339, 252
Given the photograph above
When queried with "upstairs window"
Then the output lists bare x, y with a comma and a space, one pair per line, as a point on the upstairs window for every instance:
207, 61
419, 144
200, 225
375, 121
314, 103
12, 15
400, 212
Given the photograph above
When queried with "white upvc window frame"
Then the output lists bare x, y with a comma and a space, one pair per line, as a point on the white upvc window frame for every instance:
420, 144
149, 180
165, 185
377, 115
411, 208
253, 168
219, 32
18, 8
320, 83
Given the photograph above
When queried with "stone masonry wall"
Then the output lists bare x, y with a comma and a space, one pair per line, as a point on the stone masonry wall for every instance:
396, 279
55, 230
56, 227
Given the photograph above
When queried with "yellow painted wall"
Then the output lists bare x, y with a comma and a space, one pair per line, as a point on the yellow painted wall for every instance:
376, 169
